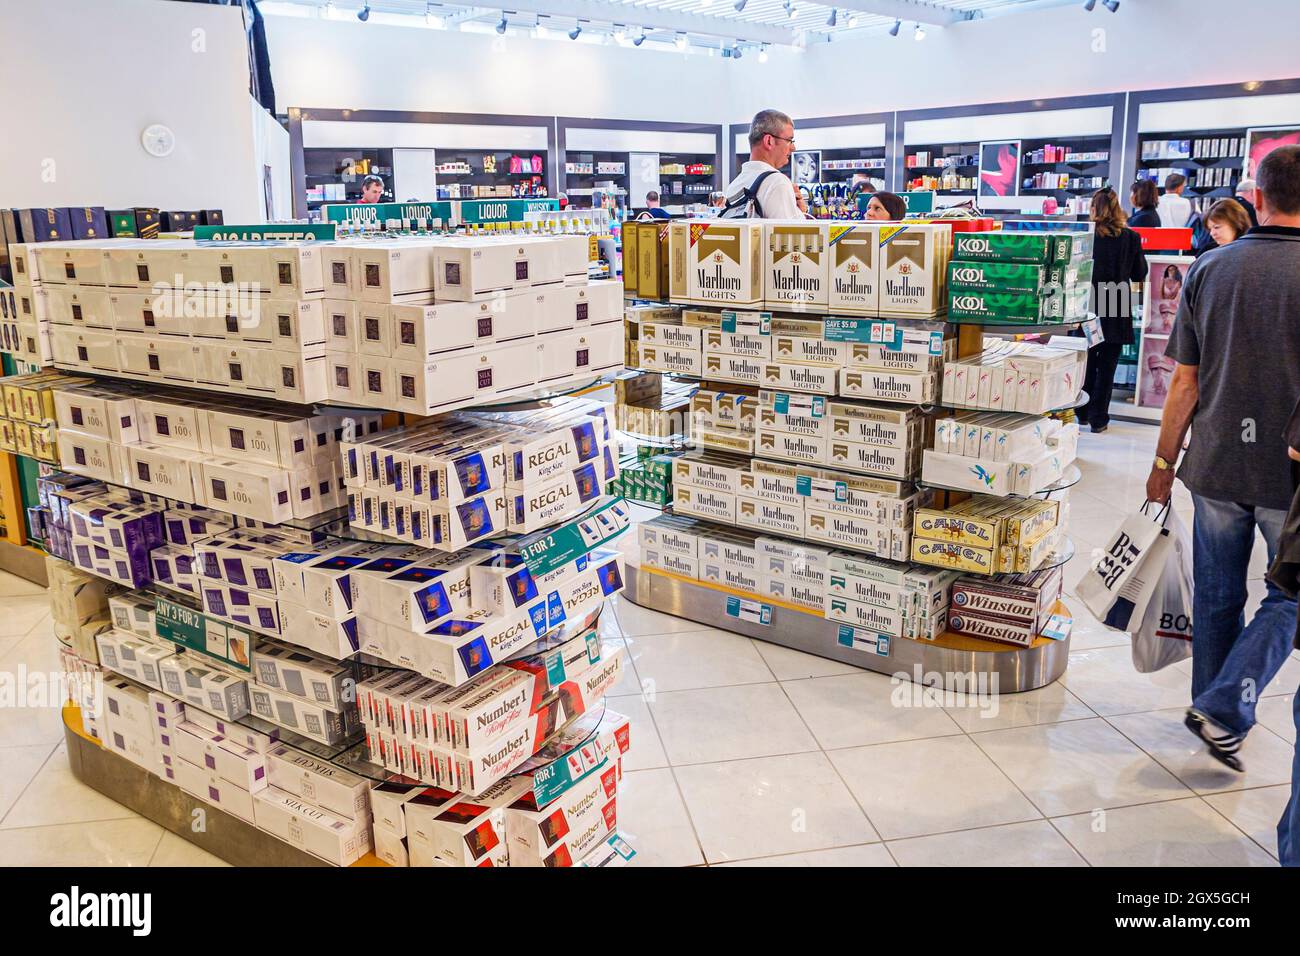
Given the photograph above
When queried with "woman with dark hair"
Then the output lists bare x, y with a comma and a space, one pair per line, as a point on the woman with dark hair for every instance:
1117, 263
1145, 198
886, 207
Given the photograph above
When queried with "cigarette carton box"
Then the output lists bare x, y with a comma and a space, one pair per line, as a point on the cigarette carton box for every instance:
338, 841
913, 264
329, 787
894, 386
796, 266
853, 268
716, 262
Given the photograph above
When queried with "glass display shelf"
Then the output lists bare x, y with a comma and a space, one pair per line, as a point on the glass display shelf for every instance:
666, 442
525, 397
1070, 477
1079, 402
1020, 328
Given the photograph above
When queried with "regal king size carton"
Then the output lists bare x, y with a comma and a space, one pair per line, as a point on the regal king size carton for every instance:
716, 262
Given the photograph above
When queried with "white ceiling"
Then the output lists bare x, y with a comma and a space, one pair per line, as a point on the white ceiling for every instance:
714, 24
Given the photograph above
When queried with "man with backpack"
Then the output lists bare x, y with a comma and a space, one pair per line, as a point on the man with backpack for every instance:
760, 190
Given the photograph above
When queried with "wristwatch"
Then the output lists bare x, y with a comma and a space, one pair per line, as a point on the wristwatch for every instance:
1163, 464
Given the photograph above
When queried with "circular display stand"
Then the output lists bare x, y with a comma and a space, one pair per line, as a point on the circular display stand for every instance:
952, 662
222, 834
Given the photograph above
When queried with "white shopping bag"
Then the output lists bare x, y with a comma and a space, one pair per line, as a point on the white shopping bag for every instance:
1165, 634
1119, 584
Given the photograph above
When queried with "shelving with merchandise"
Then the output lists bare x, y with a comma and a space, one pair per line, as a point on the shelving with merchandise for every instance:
258, 554
1212, 161
798, 464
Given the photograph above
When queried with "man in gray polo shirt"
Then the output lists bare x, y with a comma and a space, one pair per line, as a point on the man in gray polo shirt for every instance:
1237, 344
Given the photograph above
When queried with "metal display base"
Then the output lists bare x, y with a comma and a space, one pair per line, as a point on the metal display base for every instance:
223, 835
953, 661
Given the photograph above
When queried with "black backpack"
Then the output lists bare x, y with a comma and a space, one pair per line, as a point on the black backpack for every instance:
745, 204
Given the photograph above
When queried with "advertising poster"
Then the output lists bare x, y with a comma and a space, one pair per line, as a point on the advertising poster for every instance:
1000, 168
807, 167
1262, 141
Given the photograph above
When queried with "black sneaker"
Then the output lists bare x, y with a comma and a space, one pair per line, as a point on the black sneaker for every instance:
1098, 429
1223, 743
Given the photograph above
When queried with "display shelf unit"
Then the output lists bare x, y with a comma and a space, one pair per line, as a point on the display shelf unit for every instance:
449, 136
946, 159
643, 147
1209, 177
959, 662
1194, 113
525, 184
958, 659
336, 165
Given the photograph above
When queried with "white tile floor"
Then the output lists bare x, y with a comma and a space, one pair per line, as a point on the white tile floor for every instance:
747, 753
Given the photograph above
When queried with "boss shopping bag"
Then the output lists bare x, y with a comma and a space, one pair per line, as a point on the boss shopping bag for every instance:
1165, 634
1120, 581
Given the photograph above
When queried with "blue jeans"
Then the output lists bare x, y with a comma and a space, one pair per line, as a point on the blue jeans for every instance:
1288, 828
1227, 652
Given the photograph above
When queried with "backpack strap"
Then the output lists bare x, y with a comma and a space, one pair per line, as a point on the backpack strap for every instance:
738, 208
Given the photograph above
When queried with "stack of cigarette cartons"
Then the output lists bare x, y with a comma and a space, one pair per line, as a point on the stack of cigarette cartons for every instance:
725, 419
1012, 610
329, 790
418, 324
24, 307
858, 512
114, 539
646, 478
266, 462
470, 478
852, 436
207, 684
27, 416
633, 317
886, 597
79, 606
135, 656
305, 694
314, 594
658, 412
1015, 377
1020, 277
988, 535
85, 689
999, 454
468, 737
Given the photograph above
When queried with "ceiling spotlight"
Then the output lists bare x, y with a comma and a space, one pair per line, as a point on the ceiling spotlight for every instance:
540, 32
641, 39
831, 20
620, 35
364, 13
853, 21
502, 24
1111, 5
1090, 6
739, 6
680, 41
898, 25
577, 29
762, 53
920, 32
790, 10
735, 51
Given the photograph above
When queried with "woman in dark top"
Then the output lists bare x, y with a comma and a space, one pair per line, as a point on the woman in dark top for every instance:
1117, 261
1145, 199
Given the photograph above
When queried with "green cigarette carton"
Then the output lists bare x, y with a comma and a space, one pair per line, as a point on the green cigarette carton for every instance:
1018, 308
1030, 247
1023, 277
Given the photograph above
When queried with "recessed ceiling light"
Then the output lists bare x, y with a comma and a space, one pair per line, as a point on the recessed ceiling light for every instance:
920, 32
